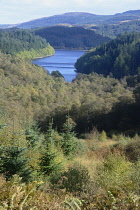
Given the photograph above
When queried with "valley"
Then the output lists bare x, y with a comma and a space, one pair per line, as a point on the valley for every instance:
70, 143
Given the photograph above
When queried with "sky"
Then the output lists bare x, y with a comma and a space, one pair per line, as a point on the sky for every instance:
18, 11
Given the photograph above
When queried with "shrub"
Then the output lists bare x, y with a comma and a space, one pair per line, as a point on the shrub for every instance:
103, 136
107, 200
133, 151
16, 195
115, 172
75, 179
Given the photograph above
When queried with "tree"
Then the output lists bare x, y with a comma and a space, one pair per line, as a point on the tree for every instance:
56, 74
13, 161
49, 163
68, 142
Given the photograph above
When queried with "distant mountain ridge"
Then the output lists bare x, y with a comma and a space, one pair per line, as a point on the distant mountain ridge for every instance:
79, 18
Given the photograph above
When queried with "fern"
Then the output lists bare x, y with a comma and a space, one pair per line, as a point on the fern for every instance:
73, 203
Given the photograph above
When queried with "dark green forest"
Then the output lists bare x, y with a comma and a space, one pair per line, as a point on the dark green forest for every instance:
23, 44
70, 145
113, 30
117, 58
62, 37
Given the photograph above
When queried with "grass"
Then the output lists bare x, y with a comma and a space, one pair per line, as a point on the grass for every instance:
113, 181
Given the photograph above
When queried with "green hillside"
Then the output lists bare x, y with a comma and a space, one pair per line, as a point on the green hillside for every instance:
28, 91
23, 44
113, 30
119, 57
68, 145
62, 37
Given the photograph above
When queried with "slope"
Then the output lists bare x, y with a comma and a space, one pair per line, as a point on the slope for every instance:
62, 37
23, 44
119, 57
76, 18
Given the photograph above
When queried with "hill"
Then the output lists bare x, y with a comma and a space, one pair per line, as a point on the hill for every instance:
113, 30
53, 168
23, 43
80, 18
62, 37
119, 57
72, 18
29, 93
5, 25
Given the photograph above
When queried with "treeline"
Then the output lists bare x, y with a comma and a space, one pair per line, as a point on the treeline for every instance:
118, 58
43, 163
62, 37
23, 43
29, 93
113, 30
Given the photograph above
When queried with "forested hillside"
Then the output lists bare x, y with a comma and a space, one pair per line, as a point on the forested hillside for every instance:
68, 145
119, 57
23, 44
113, 30
29, 91
62, 37
44, 162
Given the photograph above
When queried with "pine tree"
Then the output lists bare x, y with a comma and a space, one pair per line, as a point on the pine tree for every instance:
12, 161
49, 163
68, 143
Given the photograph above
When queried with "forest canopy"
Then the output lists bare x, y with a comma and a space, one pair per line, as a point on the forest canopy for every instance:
113, 30
29, 93
23, 44
67, 144
63, 37
119, 57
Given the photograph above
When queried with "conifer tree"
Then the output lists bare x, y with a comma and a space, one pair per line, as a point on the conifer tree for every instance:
12, 161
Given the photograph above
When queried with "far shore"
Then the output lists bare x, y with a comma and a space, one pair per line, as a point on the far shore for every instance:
43, 56
58, 49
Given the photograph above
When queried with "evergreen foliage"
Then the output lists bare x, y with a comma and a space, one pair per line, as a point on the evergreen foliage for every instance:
62, 37
49, 163
68, 142
23, 43
32, 136
119, 57
12, 161
113, 30
106, 176
56, 74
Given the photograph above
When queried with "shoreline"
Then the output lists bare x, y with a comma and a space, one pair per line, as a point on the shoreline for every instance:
67, 49
60, 50
43, 57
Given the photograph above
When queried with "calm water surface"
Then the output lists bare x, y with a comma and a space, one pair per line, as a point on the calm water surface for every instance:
63, 61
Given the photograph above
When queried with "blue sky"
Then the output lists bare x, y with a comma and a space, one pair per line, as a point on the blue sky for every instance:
17, 11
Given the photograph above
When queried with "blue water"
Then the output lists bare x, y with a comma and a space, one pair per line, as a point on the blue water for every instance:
63, 61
